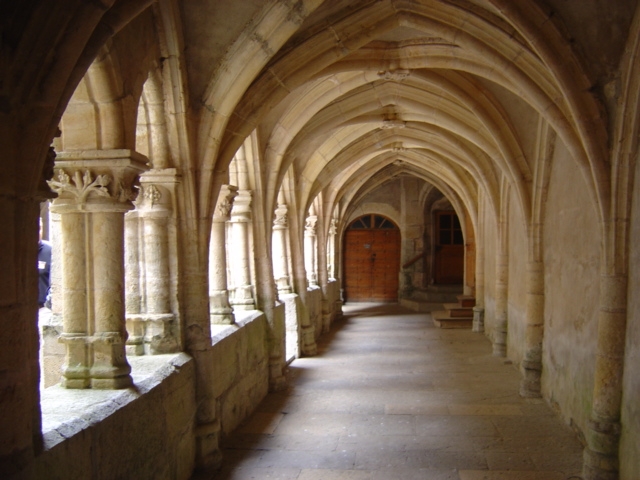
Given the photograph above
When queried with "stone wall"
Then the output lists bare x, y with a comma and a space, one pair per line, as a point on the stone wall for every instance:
148, 431
572, 267
334, 300
630, 439
314, 307
240, 363
142, 432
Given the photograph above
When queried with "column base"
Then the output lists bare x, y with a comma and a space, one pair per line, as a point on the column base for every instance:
277, 380
220, 312
135, 329
530, 384
326, 322
116, 383
499, 350
222, 318
75, 383
151, 334
601, 454
75, 370
134, 346
208, 454
478, 320
110, 369
309, 347
243, 298
158, 334
598, 466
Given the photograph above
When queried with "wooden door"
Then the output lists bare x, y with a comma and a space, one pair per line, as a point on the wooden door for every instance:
448, 261
372, 260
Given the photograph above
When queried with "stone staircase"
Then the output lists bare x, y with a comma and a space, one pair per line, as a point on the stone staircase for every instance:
432, 297
455, 315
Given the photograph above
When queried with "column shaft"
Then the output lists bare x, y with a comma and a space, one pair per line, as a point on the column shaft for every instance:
156, 261
502, 276
240, 217
110, 368
75, 371
280, 251
219, 307
532, 361
603, 432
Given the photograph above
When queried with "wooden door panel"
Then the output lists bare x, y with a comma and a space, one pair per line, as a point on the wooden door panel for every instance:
372, 264
448, 260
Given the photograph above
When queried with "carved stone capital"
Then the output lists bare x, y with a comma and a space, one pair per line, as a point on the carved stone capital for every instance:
310, 225
281, 216
225, 202
333, 226
98, 176
241, 210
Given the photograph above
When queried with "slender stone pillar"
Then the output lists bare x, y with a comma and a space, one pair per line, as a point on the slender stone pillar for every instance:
603, 429
532, 362
242, 298
280, 250
133, 294
331, 249
220, 310
95, 189
310, 250
110, 368
76, 334
478, 310
155, 208
502, 286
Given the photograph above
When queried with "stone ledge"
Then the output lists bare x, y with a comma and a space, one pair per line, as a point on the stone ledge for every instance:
243, 318
67, 412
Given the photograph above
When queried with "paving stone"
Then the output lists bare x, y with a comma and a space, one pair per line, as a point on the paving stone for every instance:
509, 461
393, 398
512, 475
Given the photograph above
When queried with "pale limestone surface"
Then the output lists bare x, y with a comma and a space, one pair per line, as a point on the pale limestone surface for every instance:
390, 396
522, 115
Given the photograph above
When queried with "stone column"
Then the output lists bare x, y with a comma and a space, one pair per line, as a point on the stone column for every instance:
532, 361
242, 298
156, 211
310, 250
502, 286
219, 308
133, 294
95, 189
331, 249
280, 250
603, 429
75, 284
478, 310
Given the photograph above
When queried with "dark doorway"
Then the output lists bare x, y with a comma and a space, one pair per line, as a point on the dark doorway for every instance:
449, 252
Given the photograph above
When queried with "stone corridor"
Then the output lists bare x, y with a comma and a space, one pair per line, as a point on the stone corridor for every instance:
391, 397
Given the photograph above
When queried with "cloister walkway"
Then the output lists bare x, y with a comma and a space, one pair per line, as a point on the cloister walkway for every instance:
391, 397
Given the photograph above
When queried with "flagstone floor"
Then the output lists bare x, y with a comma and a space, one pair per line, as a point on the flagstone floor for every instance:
391, 397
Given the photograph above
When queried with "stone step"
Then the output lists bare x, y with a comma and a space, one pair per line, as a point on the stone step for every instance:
457, 310
441, 319
437, 293
467, 301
